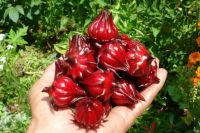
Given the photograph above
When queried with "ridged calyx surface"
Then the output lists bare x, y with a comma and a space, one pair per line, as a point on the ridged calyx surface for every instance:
139, 59
100, 84
80, 58
126, 94
89, 113
64, 92
150, 78
103, 28
113, 56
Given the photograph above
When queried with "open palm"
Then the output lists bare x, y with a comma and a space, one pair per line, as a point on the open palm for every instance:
47, 120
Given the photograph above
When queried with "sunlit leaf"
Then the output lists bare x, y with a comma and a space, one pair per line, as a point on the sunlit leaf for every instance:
155, 31
13, 14
20, 9
61, 47
16, 38
35, 2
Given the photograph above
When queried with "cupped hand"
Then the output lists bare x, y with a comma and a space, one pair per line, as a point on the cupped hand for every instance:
119, 120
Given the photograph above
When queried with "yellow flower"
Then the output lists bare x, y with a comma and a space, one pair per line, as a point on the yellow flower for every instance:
193, 58
198, 41
198, 72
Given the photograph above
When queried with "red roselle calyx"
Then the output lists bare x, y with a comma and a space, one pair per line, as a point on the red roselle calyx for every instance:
139, 59
64, 92
103, 28
100, 84
95, 73
126, 94
125, 40
89, 113
80, 58
61, 68
113, 56
150, 78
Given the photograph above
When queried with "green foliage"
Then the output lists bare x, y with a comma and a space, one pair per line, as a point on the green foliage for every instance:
16, 38
20, 71
35, 29
13, 12
14, 122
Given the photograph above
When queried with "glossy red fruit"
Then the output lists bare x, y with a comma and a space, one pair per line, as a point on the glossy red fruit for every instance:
80, 58
61, 68
148, 79
113, 56
64, 92
125, 40
139, 47
126, 94
139, 59
100, 84
103, 28
80, 44
89, 113
139, 64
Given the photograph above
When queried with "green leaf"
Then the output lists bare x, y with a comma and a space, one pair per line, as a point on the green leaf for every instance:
61, 47
174, 93
16, 38
63, 22
37, 12
155, 31
22, 31
22, 42
11, 34
6, 13
29, 15
81, 2
20, 9
13, 14
87, 22
35, 2
101, 3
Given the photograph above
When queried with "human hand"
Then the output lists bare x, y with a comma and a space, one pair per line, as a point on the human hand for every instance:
47, 120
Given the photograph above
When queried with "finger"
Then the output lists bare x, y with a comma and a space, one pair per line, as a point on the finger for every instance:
48, 76
157, 61
122, 115
46, 79
149, 94
36, 95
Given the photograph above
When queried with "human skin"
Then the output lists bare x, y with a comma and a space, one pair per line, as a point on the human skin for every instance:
119, 120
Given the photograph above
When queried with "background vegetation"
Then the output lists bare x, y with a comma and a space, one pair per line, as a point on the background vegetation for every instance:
33, 33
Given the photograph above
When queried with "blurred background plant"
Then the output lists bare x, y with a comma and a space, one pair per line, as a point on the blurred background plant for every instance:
33, 33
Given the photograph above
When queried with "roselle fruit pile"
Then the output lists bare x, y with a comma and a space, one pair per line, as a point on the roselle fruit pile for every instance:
101, 70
